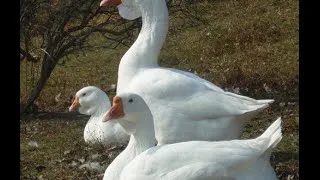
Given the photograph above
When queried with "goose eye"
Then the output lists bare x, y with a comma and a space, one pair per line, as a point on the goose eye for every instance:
130, 100
83, 94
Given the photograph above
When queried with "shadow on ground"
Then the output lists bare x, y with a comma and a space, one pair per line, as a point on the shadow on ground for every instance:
55, 115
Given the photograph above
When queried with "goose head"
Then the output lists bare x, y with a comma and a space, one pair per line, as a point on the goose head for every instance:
132, 9
131, 112
89, 100
128, 9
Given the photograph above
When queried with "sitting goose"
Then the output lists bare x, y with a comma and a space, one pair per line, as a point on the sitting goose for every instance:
94, 102
193, 160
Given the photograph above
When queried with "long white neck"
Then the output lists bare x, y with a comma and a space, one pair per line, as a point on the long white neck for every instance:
145, 50
142, 139
144, 135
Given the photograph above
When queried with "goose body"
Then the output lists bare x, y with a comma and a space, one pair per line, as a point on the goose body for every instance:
197, 112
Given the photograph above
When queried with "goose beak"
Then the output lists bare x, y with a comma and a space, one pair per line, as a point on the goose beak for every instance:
115, 112
110, 2
75, 105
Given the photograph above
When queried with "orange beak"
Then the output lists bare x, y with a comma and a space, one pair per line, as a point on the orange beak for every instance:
110, 2
116, 111
75, 105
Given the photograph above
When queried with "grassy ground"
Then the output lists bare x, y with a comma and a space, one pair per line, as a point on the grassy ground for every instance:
249, 46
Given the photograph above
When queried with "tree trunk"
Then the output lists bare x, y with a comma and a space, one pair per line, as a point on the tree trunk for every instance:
46, 70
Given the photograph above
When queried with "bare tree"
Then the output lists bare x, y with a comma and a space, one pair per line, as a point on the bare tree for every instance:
53, 29
63, 27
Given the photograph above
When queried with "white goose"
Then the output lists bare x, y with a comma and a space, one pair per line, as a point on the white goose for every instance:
185, 107
193, 160
93, 101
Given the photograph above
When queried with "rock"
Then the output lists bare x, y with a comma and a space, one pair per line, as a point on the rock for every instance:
33, 144
112, 155
290, 177
236, 90
297, 120
291, 103
57, 98
82, 160
74, 163
93, 166
111, 149
88, 148
113, 86
266, 88
66, 152
95, 156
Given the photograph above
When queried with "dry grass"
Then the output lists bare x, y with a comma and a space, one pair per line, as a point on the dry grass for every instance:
251, 45
58, 148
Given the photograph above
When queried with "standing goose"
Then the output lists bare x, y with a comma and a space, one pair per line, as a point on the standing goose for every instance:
94, 102
185, 107
194, 160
